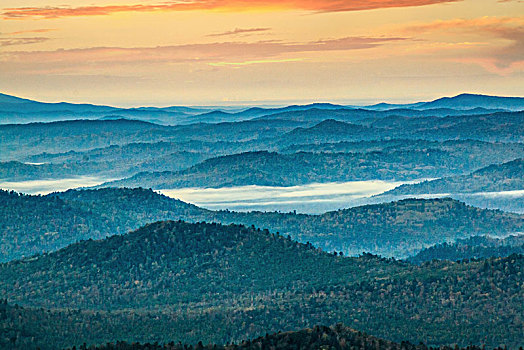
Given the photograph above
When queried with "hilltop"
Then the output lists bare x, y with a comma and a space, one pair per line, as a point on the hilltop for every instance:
167, 263
214, 283
337, 337
36, 224
265, 168
328, 130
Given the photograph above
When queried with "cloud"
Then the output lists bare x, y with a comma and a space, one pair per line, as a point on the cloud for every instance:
219, 54
482, 23
43, 30
208, 52
503, 38
233, 5
241, 31
21, 41
247, 63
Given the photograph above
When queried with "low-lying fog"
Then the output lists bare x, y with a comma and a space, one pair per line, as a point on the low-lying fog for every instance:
48, 186
312, 198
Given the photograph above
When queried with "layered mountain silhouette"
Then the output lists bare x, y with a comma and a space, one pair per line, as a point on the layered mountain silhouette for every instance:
19, 110
37, 224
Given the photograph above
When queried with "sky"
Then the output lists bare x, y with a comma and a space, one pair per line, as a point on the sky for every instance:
258, 52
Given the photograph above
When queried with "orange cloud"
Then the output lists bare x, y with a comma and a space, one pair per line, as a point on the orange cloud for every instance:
475, 24
238, 31
309, 5
21, 41
504, 55
247, 63
43, 30
217, 54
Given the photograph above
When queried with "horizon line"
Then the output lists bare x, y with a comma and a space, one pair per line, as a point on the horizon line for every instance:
267, 103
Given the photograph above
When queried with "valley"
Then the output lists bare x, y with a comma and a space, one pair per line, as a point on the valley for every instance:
304, 226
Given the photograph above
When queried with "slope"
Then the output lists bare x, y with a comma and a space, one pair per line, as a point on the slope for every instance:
472, 248
275, 169
169, 263
36, 224
221, 283
396, 229
508, 176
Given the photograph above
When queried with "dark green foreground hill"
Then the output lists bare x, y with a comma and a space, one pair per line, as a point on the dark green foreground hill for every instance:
36, 224
217, 284
336, 337
168, 263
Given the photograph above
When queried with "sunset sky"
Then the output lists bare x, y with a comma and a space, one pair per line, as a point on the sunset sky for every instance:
229, 52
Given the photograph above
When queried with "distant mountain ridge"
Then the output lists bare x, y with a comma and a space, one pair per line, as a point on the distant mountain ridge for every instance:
467, 101
10, 103
461, 101
265, 168
19, 110
312, 126
118, 161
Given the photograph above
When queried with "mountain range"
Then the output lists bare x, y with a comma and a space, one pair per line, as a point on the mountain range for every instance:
121, 266
275, 169
37, 224
19, 110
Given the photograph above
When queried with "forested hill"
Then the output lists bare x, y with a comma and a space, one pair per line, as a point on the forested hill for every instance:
472, 248
337, 337
397, 229
19, 139
275, 169
170, 262
26, 331
329, 130
494, 178
372, 159
25, 140
217, 284
420, 157
36, 224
